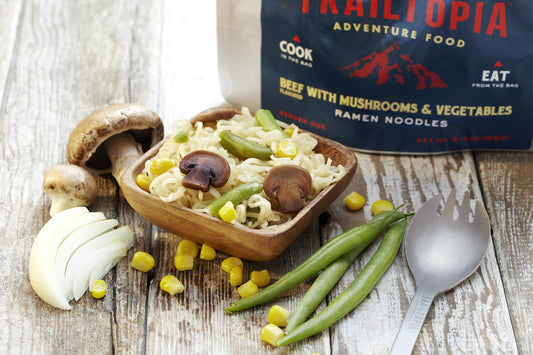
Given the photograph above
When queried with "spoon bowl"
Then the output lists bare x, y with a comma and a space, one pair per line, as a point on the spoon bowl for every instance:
442, 250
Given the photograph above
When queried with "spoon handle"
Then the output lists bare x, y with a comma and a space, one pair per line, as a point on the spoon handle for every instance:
414, 319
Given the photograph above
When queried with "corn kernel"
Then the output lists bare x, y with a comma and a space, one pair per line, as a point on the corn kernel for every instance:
290, 129
207, 253
183, 262
161, 165
235, 276
171, 284
229, 263
287, 149
143, 181
227, 213
381, 206
260, 278
247, 289
99, 289
271, 334
142, 261
278, 315
354, 201
188, 247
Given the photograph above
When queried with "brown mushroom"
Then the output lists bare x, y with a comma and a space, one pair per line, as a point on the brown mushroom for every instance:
289, 184
223, 112
203, 169
112, 138
69, 186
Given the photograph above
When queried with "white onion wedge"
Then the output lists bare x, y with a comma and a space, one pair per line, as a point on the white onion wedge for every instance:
74, 241
98, 253
79, 243
42, 271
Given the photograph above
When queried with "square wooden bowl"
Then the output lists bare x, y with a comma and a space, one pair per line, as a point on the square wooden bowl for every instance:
251, 244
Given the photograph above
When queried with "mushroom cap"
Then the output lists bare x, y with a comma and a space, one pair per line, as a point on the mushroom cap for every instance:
204, 168
223, 112
289, 184
69, 186
85, 148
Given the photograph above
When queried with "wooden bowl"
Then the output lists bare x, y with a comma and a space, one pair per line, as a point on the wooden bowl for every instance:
251, 244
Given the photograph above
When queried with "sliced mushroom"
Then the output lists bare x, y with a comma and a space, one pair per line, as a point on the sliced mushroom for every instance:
69, 186
289, 185
204, 169
224, 112
113, 137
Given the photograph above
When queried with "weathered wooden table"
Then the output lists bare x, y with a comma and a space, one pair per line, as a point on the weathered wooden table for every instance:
61, 60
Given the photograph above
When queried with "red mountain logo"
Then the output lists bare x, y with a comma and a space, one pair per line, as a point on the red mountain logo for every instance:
392, 65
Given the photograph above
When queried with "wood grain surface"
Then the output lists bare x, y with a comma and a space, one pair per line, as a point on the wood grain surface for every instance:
61, 60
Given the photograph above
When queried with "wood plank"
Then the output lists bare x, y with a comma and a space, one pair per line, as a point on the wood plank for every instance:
195, 322
471, 318
507, 183
72, 58
10, 16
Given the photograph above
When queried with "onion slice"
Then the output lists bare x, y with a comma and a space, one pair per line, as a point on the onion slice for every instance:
75, 247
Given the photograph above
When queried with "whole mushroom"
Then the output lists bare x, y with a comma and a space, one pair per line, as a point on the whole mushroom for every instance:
112, 138
203, 169
69, 186
289, 185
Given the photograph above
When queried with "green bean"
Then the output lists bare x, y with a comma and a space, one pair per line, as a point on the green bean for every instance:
236, 196
266, 119
182, 136
359, 236
357, 291
243, 148
321, 287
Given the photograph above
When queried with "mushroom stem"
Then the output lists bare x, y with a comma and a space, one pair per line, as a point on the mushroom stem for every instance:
122, 152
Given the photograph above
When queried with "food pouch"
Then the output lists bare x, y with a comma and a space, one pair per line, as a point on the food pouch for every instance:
403, 76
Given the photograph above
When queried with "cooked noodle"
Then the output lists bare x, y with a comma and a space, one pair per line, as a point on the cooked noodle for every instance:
257, 211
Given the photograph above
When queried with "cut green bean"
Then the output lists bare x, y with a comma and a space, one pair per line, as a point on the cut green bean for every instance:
266, 119
243, 148
357, 291
182, 136
359, 236
236, 196
321, 287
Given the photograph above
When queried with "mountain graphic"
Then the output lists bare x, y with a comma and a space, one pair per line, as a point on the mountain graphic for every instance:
392, 65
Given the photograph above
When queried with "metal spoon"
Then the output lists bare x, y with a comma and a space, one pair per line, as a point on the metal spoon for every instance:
441, 252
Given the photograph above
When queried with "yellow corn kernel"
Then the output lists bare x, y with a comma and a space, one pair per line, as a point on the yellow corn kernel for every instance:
171, 284
290, 129
235, 276
354, 201
161, 165
227, 213
142, 261
99, 289
143, 181
183, 262
207, 253
247, 289
278, 315
188, 247
381, 206
229, 263
271, 334
287, 149
260, 278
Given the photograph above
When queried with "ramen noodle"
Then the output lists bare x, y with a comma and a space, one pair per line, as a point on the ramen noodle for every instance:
257, 211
